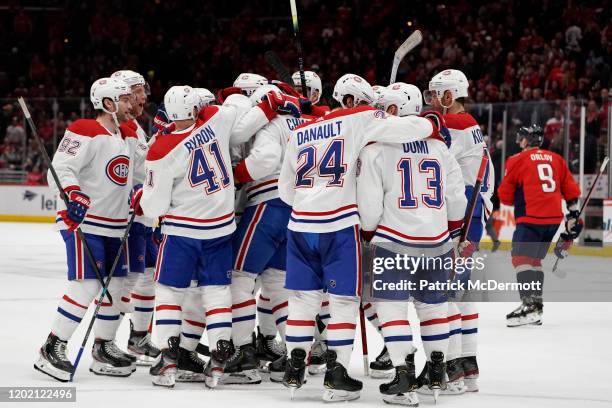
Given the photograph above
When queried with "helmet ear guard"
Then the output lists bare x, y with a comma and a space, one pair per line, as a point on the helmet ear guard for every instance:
108, 88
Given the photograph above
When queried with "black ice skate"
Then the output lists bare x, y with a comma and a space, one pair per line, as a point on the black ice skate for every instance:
470, 367
401, 390
53, 361
317, 361
216, 365
268, 350
295, 370
339, 386
242, 367
108, 360
277, 369
164, 372
528, 313
455, 377
382, 367
141, 347
432, 379
190, 366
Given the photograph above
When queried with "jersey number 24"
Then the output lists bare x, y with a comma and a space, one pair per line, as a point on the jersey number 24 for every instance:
330, 166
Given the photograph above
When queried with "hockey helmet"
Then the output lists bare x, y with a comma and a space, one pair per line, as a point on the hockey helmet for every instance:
179, 102
132, 78
533, 134
451, 80
112, 88
206, 97
249, 82
406, 97
313, 83
355, 86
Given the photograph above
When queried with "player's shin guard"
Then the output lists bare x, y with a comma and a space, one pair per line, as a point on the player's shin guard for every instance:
303, 307
395, 330
110, 314
341, 328
454, 331
218, 305
73, 306
265, 317
243, 307
434, 326
321, 332
469, 328
168, 312
273, 282
192, 324
143, 300
372, 316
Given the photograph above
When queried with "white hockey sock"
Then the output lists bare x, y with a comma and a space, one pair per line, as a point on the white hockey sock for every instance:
265, 317
192, 324
324, 317
110, 315
434, 327
73, 306
454, 331
395, 329
243, 307
341, 328
168, 312
272, 285
143, 300
469, 328
303, 308
218, 305
372, 316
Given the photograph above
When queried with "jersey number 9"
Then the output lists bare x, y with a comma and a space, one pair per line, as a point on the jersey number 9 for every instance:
545, 173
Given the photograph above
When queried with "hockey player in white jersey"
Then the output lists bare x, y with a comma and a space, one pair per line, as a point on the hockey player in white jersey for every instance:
447, 93
93, 166
411, 200
323, 245
189, 183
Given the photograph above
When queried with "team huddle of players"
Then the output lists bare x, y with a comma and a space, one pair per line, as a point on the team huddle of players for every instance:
262, 190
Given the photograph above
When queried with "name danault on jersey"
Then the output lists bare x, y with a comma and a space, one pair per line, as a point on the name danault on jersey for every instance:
324, 131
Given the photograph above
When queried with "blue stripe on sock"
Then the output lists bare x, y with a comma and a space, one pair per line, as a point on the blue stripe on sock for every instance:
281, 320
242, 318
107, 317
191, 336
324, 317
435, 337
218, 325
168, 321
337, 343
454, 331
262, 310
398, 338
298, 339
69, 315
470, 331
370, 318
143, 309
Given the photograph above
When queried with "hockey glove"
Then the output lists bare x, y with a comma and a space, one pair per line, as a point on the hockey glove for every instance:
135, 197
438, 122
573, 224
74, 214
563, 245
225, 92
282, 104
285, 87
305, 106
466, 249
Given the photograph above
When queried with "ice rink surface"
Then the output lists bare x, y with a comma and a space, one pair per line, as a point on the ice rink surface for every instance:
564, 363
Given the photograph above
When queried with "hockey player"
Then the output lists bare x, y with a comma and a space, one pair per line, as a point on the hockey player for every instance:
141, 250
93, 166
447, 93
323, 244
313, 85
189, 183
259, 243
412, 195
536, 181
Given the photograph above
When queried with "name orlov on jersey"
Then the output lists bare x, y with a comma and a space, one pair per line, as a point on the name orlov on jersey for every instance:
203, 136
323, 131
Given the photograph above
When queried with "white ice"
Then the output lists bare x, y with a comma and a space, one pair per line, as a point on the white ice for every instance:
564, 363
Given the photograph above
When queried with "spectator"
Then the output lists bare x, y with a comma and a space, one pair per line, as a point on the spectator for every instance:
15, 134
35, 177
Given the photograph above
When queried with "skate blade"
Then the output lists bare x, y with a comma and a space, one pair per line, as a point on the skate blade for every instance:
382, 374
436, 395
143, 360
243, 377
292, 391
340, 395
167, 381
46, 368
471, 384
211, 381
317, 369
409, 399
189, 376
277, 376
524, 322
111, 371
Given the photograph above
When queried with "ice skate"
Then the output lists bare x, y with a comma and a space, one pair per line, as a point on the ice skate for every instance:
295, 371
432, 379
216, 365
141, 347
339, 386
164, 371
242, 367
382, 366
107, 360
470, 367
268, 350
52, 359
277, 369
126, 356
402, 389
528, 313
316, 362
455, 378
190, 367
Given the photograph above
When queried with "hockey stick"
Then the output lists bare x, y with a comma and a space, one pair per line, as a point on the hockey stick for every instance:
364, 341
62, 193
562, 274
275, 63
411, 42
103, 293
298, 44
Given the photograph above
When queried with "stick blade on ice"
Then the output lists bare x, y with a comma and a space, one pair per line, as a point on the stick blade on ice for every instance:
411, 42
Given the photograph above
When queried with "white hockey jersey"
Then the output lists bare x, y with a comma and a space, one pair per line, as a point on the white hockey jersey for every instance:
97, 162
412, 194
263, 164
189, 180
318, 174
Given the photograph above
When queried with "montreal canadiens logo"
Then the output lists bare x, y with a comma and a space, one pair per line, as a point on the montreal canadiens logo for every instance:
118, 169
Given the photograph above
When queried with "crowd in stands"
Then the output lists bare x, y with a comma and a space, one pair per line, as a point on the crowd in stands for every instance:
545, 53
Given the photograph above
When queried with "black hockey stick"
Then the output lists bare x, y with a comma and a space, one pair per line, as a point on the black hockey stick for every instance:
103, 293
298, 44
275, 63
62, 193
559, 242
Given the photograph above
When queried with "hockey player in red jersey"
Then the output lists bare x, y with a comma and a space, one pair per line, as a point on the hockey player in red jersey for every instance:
536, 181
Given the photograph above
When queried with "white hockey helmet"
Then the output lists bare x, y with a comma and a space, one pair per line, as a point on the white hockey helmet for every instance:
378, 91
179, 102
313, 83
206, 97
357, 87
406, 97
249, 82
132, 78
112, 88
260, 92
451, 80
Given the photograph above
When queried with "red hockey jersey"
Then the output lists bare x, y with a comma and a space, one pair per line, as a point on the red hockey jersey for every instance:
535, 182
